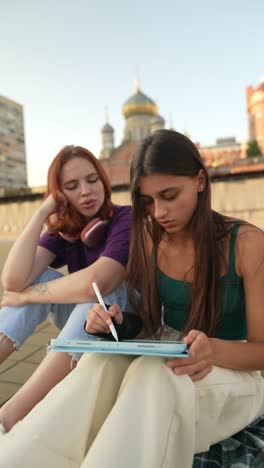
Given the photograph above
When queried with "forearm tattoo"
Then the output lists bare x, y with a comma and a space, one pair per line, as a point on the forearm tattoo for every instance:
42, 289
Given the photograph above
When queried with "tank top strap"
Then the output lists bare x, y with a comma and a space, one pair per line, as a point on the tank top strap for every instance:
232, 254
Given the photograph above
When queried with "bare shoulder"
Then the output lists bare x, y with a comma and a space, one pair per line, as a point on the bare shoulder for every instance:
249, 249
249, 235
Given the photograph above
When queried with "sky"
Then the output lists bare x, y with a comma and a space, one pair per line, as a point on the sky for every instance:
65, 61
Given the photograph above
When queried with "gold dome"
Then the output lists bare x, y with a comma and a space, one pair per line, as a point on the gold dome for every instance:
139, 103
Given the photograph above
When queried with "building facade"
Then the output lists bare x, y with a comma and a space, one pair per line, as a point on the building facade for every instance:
13, 171
237, 181
141, 119
255, 109
225, 151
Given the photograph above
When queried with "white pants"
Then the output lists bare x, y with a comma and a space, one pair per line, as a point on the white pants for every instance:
123, 412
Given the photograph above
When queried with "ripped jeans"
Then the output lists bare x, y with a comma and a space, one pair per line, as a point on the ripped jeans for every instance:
18, 323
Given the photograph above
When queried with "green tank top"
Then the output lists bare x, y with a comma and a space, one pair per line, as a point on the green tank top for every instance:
175, 296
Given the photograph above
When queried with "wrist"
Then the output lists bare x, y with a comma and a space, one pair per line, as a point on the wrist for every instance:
215, 342
26, 296
44, 212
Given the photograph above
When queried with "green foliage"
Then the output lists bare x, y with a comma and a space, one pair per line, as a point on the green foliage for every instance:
253, 149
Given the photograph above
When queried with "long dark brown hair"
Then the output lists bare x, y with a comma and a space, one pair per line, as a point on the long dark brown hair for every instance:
72, 222
170, 152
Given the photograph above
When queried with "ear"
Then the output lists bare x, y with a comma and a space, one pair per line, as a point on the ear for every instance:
201, 180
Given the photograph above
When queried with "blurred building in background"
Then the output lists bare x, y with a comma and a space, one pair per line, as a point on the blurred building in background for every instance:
225, 151
142, 118
255, 109
13, 170
236, 169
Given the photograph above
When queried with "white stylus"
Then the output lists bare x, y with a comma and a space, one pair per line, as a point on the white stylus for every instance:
101, 301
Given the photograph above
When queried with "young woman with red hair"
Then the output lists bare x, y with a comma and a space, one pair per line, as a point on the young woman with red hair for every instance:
78, 195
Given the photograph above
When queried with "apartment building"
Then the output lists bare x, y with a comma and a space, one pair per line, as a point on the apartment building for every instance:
13, 173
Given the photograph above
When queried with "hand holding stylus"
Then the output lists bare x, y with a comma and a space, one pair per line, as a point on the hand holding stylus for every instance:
101, 301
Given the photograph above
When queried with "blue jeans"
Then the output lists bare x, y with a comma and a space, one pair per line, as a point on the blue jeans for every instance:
18, 323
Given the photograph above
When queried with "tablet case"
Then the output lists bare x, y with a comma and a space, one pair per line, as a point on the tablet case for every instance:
136, 347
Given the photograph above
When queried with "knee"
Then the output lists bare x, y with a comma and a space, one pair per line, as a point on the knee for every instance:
78, 316
48, 275
146, 368
82, 309
148, 364
117, 296
91, 359
153, 370
111, 362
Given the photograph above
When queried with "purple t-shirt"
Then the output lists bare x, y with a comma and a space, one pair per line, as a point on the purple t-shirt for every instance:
76, 255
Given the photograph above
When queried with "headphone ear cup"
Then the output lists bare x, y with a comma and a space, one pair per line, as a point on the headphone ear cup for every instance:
95, 232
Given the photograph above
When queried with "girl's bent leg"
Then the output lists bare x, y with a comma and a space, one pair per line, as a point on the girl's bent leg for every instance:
163, 419
60, 429
18, 323
153, 419
53, 368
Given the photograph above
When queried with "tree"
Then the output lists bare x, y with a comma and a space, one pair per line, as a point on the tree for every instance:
253, 149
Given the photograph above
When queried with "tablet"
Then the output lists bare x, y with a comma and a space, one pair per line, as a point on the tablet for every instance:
137, 347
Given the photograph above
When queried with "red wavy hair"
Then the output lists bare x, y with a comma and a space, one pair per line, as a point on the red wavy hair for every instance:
72, 222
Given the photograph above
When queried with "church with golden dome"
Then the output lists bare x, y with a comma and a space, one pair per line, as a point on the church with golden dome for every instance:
141, 119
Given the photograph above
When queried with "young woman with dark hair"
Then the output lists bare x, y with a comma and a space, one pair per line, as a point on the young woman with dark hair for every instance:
78, 195
201, 278
202, 231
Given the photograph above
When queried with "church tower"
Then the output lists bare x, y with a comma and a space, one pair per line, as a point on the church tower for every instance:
156, 123
141, 120
107, 141
141, 115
